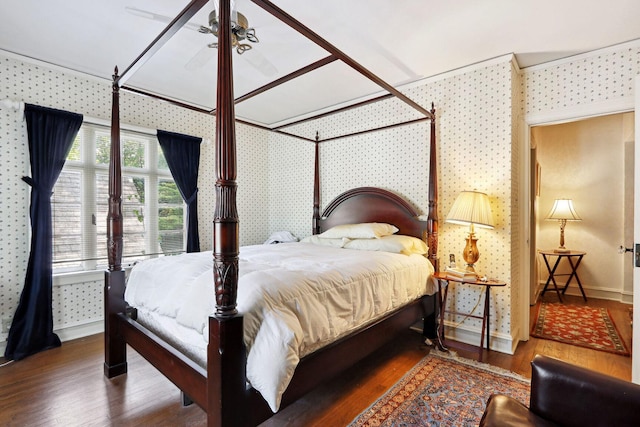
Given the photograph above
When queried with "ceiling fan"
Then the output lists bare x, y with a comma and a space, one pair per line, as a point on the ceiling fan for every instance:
241, 33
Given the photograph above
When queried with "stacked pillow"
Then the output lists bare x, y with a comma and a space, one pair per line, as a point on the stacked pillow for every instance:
368, 230
371, 236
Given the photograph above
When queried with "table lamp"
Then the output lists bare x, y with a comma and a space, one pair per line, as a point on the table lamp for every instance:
563, 211
471, 208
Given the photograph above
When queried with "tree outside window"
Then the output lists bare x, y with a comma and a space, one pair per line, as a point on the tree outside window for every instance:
152, 208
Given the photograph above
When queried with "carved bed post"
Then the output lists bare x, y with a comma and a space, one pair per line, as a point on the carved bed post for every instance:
115, 357
225, 223
226, 358
432, 219
316, 188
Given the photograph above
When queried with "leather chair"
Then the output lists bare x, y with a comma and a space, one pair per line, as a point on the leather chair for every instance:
567, 395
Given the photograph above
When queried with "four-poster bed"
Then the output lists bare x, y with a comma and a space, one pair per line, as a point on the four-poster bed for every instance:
220, 387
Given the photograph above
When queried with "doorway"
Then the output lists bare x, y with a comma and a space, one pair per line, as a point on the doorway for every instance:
587, 161
592, 162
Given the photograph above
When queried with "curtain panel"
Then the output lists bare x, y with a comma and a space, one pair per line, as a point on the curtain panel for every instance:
182, 153
51, 134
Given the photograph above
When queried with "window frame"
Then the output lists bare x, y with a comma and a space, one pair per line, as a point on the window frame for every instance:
89, 170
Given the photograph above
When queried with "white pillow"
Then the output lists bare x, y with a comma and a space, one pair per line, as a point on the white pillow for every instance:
398, 244
367, 230
316, 240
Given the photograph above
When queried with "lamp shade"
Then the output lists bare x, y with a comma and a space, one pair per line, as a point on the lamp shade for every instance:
563, 210
471, 208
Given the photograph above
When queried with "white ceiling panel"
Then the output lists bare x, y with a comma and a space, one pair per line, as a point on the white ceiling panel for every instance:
399, 41
331, 85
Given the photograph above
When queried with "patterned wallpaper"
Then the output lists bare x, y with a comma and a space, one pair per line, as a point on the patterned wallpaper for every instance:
376, 114
519, 299
14, 225
291, 169
474, 116
479, 113
593, 78
79, 301
252, 197
480, 132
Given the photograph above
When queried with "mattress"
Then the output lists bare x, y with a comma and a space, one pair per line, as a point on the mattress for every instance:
295, 299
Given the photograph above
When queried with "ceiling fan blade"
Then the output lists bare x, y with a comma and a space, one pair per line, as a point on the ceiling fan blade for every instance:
260, 62
204, 55
200, 59
157, 17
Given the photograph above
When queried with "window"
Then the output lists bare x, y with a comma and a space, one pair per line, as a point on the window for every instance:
152, 208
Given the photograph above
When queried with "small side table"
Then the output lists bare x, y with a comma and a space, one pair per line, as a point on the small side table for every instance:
571, 257
442, 278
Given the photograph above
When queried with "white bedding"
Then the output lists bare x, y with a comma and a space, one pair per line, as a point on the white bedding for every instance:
289, 311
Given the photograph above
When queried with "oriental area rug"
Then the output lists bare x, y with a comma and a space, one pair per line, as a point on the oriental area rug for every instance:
442, 390
590, 327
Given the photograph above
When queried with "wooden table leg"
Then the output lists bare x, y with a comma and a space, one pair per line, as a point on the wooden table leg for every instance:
442, 301
485, 323
551, 278
574, 273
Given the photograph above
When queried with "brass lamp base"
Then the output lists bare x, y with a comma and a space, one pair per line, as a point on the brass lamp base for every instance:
561, 249
471, 253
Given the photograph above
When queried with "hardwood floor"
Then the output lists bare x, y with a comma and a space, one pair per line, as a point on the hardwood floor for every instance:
65, 386
611, 364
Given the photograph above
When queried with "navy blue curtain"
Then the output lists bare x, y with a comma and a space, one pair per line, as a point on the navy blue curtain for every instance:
183, 157
51, 134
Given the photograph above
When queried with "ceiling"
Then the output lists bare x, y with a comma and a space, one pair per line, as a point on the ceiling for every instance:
399, 41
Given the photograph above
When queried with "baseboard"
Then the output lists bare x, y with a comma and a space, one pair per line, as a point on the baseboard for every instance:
71, 332
626, 298
80, 330
597, 293
500, 342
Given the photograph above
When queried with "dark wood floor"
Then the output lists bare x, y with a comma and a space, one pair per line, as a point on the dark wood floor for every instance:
66, 386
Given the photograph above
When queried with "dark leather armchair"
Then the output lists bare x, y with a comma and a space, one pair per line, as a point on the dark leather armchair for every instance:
567, 395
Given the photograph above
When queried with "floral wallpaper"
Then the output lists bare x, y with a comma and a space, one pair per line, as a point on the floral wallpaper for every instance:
78, 299
480, 122
474, 121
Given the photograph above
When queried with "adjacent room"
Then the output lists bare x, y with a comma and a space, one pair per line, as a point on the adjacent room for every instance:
299, 213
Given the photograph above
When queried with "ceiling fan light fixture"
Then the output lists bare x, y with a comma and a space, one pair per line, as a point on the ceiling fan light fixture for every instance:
239, 28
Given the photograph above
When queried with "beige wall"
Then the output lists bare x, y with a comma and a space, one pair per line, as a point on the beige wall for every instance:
585, 161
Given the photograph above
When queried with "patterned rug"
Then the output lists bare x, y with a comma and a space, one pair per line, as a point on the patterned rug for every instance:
442, 390
590, 327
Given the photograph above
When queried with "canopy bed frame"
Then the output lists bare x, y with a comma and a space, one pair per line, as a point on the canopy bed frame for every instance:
221, 389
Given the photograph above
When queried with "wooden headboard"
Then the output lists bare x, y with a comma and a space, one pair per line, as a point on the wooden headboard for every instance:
371, 204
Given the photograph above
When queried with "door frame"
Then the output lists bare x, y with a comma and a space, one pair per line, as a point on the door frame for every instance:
635, 361
620, 105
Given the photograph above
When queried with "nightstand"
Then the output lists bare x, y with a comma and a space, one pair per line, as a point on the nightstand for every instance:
571, 256
443, 279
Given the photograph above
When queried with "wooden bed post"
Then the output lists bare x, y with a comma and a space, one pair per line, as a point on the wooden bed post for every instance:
225, 223
316, 188
226, 358
432, 218
115, 350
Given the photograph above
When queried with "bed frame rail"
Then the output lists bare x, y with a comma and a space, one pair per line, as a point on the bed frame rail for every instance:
187, 375
342, 354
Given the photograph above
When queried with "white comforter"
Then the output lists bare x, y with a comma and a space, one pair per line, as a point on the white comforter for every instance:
295, 298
